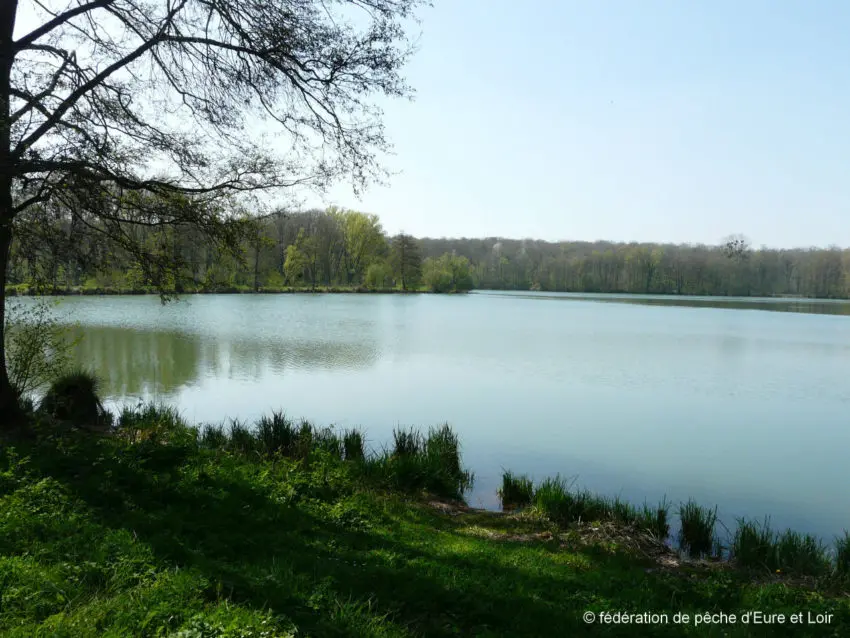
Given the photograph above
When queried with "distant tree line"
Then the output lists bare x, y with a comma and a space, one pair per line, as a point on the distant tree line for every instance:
345, 248
305, 250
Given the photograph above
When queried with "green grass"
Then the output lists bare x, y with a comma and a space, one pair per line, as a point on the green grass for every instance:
276, 434
516, 490
558, 501
754, 545
696, 529
655, 520
354, 445
757, 546
189, 533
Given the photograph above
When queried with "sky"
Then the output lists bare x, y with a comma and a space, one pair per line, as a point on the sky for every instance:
670, 121
622, 120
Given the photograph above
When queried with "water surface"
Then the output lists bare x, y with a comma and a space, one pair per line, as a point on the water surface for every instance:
739, 402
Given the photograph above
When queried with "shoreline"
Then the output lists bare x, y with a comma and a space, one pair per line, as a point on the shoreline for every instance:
285, 528
17, 291
100, 292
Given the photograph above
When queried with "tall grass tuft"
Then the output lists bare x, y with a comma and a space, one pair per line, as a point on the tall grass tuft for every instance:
553, 498
276, 434
214, 437
516, 491
842, 555
408, 443
696, 534
325, 439
431, 463
620, 511
353, 445
801, 554
240, 438
754, 545
303, 440
152, 422
655, 520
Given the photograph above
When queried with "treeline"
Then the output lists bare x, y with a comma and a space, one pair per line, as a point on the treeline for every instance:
343, 248
306, 250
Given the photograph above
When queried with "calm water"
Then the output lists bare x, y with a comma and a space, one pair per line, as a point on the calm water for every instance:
724, 401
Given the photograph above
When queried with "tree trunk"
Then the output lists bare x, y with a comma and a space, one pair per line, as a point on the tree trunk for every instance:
9, 408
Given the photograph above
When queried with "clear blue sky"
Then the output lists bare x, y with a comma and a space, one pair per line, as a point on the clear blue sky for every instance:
656, 120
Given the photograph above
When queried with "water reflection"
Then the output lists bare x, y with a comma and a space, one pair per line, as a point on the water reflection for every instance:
133, 362
137, 362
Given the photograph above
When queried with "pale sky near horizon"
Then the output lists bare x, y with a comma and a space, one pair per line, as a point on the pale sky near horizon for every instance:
659, 120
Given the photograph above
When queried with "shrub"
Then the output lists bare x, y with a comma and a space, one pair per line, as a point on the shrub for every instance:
38, 348
72, 399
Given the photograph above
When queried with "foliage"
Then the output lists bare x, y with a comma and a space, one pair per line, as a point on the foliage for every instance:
124, 129
447, 273
38, 349
379, 275
406, 261
73, 399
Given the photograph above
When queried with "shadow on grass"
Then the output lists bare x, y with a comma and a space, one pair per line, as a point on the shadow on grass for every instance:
314, 551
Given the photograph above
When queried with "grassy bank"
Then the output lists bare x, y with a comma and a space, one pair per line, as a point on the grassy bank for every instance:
281, 528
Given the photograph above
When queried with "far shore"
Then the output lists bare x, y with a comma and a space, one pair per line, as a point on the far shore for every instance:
27, 291
18, 292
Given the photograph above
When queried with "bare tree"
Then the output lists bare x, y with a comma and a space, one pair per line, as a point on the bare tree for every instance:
161, 112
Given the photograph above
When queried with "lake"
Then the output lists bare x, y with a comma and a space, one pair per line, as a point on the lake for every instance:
741, 403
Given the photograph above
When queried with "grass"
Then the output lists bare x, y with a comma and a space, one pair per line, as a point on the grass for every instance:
242, 530
516, 490
842, 554
756, 546
555, 498
696, 530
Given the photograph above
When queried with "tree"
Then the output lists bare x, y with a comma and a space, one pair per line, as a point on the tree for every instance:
379, 275
406, 260
297, 261
364, 242
127, 113
447, 273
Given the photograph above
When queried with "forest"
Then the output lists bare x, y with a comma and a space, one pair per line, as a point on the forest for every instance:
345, 249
